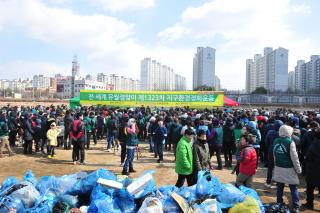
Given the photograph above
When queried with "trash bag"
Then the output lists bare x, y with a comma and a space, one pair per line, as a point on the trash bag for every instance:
229, 196
104, 203
44, 204
254, 194
27, 194
29, 177
71, 200
7, 203
47, 184
86, 185
188, 193
168, 203
208, 184
249, 205
209, 205
61, 207
67, 182
151, 205
278, 207
9, 181
126, 202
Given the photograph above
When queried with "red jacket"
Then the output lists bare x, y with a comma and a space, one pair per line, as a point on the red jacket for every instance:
77, 130
248, 161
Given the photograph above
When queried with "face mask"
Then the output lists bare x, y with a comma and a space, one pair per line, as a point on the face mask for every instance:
201, 141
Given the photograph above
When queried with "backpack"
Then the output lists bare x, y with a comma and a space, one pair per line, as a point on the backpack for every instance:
3, 128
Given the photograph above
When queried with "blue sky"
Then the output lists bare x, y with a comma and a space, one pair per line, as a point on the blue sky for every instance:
112, 36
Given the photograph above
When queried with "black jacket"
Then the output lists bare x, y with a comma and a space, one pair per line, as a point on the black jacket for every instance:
28, 130
228, 135
313, 163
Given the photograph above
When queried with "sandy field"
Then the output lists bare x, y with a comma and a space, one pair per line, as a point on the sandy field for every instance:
97, 157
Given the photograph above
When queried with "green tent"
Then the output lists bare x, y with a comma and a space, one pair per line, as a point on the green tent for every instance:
74, 102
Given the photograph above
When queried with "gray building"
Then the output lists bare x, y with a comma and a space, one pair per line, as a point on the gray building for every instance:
204, 67
269, 71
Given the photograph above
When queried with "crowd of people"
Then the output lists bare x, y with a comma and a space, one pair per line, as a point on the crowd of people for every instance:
284, 141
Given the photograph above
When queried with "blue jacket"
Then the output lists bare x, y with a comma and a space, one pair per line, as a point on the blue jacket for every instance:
160, 134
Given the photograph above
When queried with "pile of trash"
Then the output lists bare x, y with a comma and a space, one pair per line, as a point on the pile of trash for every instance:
103, 191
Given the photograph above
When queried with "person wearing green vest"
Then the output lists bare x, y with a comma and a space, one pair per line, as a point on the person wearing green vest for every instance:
287, 166
184, 159
92, 129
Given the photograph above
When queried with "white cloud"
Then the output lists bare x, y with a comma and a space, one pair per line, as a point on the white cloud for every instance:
246, 26
26, 69
124, 5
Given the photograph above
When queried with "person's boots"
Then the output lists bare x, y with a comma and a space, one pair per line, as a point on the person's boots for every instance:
226, 163
132, 170
125, 172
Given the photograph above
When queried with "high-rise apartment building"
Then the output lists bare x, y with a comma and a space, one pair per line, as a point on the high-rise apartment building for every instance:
269, 71
204, 67
157, 77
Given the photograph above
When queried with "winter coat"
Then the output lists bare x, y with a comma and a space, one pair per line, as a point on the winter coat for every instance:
215, 137
184, 159
176, 136
68, 120
131, 136
201, 156
4, 130
287, 166
52, 135
248, 161
28, 131
313, 164
160, 134
306, 142
228, 136
78, 131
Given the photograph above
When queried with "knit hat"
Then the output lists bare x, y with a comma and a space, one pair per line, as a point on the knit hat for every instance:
285, 131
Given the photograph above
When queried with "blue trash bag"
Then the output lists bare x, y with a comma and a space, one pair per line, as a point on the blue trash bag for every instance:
71, 200
44, 204
28, 194
254, 194
67, 182
8, 182
101, 189
168, 203
48, 184
7, 203
230, 195
126, 202
86, 185
103, 203
30, 177
208, 184
209, 205
188, 193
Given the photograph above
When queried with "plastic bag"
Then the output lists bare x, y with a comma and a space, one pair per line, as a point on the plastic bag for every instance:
105, 203
67, 182
7, 203
44, 204
61, 207
71, 200
230, 195
48, 183
208, 184
168, 203
254, 194
8, 182
188, 193
209, 205
151, 205
86, 185
28, 195
29, 177
278, 207
125, 202
249, 205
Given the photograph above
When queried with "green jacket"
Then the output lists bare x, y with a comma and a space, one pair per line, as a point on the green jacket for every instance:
184, 164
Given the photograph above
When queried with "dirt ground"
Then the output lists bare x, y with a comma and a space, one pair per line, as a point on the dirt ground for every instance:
97, 157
